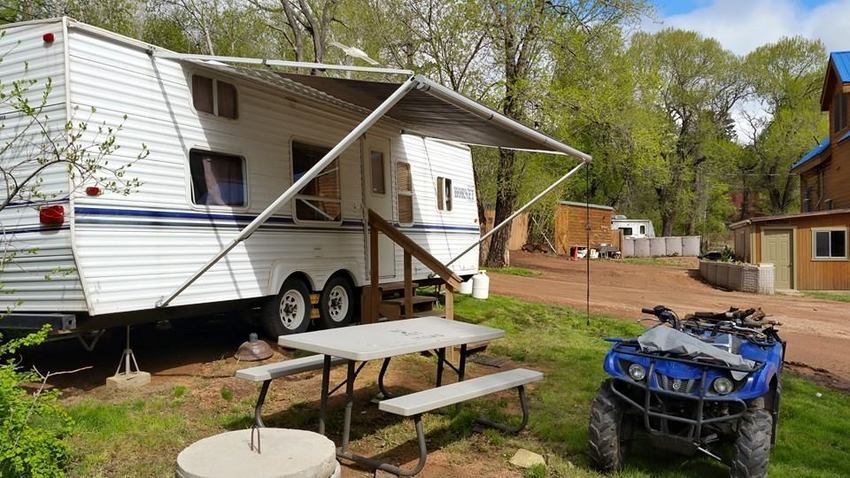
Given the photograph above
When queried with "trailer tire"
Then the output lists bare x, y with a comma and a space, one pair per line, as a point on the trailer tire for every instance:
289, 311
606, 434
336, 304
752, 447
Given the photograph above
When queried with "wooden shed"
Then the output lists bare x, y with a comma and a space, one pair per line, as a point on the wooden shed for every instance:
809, 251
570, 220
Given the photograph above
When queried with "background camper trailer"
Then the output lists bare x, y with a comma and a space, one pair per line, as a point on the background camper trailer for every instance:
225, 143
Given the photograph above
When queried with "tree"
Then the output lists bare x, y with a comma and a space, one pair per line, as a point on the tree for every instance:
784, 78
691, 83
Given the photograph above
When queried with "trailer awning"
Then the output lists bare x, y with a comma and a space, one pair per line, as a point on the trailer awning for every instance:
435, 111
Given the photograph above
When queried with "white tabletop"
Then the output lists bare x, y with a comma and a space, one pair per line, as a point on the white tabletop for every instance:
389, 339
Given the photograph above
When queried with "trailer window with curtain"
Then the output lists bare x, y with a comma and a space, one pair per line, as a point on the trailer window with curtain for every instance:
404, 184
320, 199
444, 194
217, 179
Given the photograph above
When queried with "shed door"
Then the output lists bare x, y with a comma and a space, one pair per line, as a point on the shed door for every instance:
776, 249
377, 187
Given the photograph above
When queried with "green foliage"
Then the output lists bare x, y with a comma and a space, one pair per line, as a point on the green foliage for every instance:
34, 424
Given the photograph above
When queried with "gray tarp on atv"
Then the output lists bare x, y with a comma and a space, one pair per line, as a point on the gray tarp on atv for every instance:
666, 339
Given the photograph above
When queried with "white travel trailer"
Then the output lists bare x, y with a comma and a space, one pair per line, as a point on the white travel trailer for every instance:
270, 173
633, 228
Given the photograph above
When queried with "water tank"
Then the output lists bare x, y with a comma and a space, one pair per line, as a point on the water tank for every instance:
642, 247
674, 246
466, 287
480, 285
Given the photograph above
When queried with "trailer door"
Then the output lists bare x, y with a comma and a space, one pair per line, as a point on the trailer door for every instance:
378, 193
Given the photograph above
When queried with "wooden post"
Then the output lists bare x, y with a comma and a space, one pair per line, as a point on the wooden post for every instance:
374, 273
454, 353
408, 285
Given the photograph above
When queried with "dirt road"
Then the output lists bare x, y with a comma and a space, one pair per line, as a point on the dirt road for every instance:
817, 331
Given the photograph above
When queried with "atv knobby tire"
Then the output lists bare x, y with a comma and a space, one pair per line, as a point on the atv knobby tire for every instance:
752, 447
605, 433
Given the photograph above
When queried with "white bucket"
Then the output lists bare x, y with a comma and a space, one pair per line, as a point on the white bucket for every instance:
465, 287
480, 285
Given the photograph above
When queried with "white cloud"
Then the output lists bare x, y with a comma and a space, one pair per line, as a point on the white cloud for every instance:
743, 25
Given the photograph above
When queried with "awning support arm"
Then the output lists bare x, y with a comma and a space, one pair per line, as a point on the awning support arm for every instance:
521, 210
290, 193
168, 55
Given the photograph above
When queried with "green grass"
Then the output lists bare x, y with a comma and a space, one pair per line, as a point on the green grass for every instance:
654, 261
516, 271
836, 296
143, 437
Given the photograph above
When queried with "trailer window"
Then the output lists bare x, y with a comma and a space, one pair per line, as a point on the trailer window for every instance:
376, 165
404, 183
643, 229
320, 199
215, 97
444, 194
627, 231
829, 243
217, 179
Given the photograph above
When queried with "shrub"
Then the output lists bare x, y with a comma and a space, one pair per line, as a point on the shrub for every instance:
33, 424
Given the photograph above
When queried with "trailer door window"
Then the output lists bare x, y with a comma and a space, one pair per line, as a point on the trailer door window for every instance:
217, 179
215, 97
404, 183
444, 194
377, 168
830, 243
320, 199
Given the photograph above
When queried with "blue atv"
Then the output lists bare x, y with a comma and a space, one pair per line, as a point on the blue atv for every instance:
708, 383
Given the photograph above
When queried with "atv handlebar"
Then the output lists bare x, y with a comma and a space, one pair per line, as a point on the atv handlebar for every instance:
647, 311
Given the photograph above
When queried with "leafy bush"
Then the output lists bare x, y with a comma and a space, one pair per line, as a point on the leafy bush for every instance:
33, 424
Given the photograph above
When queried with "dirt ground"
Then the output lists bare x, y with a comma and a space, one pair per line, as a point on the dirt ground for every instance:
817, 331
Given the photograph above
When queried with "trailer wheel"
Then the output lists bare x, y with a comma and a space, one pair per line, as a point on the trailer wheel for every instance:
289, 311
606, 433
752, 447
336, 305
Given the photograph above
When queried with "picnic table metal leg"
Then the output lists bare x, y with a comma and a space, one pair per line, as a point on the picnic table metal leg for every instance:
461, 369
393, 469
349, 404
258, 408
441, 363
323, 404
381, 387
523, 401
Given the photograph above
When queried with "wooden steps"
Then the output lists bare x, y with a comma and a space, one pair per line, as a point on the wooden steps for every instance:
394, 308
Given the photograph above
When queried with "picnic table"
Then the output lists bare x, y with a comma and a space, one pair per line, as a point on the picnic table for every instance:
385, 340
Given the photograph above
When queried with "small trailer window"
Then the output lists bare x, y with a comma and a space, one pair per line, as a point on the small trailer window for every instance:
444, 194
320, 199
217, 179
627, 231
830, 243
404, 182
215, 97
643, 229
377, 167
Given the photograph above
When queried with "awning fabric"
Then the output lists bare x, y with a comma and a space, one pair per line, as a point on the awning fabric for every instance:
430, 109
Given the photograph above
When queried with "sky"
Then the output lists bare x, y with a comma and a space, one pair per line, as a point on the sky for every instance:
743, 25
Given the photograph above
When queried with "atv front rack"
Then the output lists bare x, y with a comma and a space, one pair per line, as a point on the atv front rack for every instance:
696, 423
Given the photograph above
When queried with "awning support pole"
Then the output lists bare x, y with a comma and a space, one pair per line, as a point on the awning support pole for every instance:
290, 193
520, 210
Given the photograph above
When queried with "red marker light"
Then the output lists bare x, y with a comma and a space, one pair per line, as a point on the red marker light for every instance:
93, 191
48, 38
51, 215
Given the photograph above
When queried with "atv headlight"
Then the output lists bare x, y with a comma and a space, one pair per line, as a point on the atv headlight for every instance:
723, 386
637, 372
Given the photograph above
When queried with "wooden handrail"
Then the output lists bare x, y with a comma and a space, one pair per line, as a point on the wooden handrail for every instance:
414, 249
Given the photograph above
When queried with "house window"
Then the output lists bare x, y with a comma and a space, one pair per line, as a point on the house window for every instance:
643, 230
444, 194
376, 159
320, 199
217, 179
829, 243
839, 111
404, 182
215, 97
